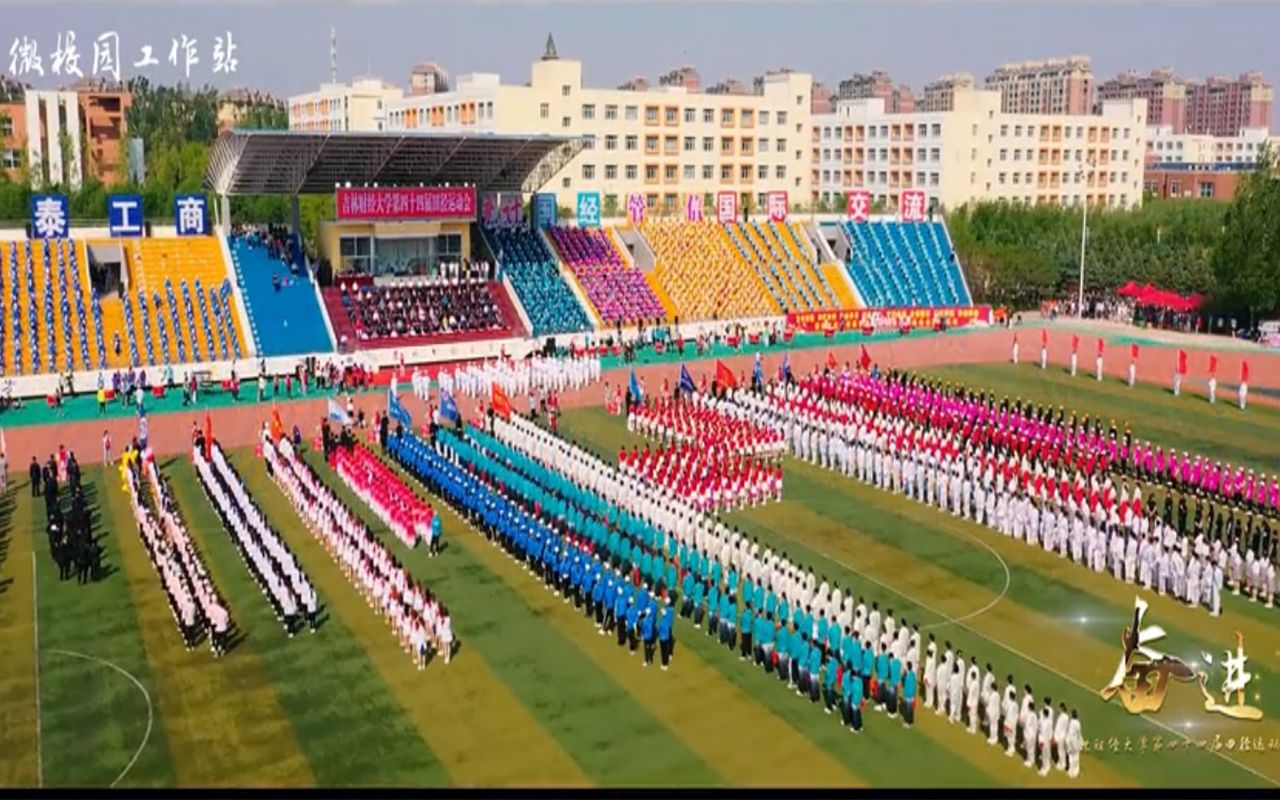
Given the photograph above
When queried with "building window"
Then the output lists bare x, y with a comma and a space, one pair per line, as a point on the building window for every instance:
564, 90
747, 117
651, 115
610, 112
588, 111
610, 172
745, 146
1017, 154
780, 172
1017, 130
726, 116
762, 171
564, 122
782, 118
689, 143
690, 115
726, 145
764, 117
708, 116
670, 145
688, 172
650, 172
1003, 154
611, 141
708, 144
782, 146
651, 144
588, 172
631, 172
670, 115
564, 183
762, 144
1175, 188
589, 142
632, 113
1004, 130
1016, 175
12, 159
633, 141
669, 172
745, 172
544, 111
708, 172
933, 179
726, 173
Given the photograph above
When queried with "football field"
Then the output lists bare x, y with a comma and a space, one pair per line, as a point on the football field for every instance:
96, 687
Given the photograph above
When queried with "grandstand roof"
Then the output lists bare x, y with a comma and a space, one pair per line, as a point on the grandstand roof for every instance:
305, 162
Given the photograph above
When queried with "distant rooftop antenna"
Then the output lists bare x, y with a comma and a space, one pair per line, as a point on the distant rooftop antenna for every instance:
333, 54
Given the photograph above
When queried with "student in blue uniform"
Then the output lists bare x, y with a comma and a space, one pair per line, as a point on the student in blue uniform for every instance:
632, 631
649, 632
855, 705
686, 594
895, 679
814, 678
666, 643
830, 672
747, 621
882, 679
699, 590
867, 670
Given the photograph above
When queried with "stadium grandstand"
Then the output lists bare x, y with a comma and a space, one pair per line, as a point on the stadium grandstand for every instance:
903, 264
272, 272
619, 291
536, 277
705, 276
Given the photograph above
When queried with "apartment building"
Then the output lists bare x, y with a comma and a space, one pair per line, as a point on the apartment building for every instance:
1200, 149
976, 152
1218, 106
665, 143
1054, 86
939, 95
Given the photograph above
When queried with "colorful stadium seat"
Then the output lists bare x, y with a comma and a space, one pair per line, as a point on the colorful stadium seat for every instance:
550, 304
284, 317
904, 264
49, 328
619, 291
704, 274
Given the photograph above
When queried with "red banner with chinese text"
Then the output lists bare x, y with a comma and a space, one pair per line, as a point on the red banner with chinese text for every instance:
414, 203
887, 319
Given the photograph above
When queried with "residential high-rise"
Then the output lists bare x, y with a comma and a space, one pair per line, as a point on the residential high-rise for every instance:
939, 95
1165, 93
1223, 107
878, 84
1055, 86
428, 78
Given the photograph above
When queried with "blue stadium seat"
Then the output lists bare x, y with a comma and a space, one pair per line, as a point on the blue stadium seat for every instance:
285, 322
535, 275
904, 264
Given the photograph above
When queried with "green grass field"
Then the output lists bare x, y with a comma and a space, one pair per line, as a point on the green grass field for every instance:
535, 697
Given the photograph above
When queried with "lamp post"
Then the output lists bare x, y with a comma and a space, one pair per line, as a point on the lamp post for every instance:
1087, 172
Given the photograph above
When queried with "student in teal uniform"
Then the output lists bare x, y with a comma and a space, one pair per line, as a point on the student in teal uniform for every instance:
699, 588
855, 705
895, 678
815, 671
882, 678
830, 671
909, 697
867, 669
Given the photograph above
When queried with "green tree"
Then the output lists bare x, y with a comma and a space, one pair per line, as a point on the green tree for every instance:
1246, 262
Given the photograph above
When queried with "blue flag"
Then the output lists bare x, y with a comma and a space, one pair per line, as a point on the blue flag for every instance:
758, 375
637, 396
337, 414
448, 408
686, 380
786, 366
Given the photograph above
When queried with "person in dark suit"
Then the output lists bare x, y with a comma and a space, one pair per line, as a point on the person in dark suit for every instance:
34, 472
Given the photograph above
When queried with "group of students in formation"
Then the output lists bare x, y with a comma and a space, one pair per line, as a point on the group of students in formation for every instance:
517, 377
707, 453
268, 559
553, 529
416, 617
198, 608
71, 541
1012, 467
402, 511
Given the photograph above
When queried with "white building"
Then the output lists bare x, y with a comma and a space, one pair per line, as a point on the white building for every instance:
357, 106
1166, 147
977, 152
50, 115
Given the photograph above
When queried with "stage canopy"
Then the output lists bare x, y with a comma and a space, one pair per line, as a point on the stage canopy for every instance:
304, 162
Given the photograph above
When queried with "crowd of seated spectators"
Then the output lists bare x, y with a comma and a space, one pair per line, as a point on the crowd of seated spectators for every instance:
619, 292
427, 309
703, 273
535, 276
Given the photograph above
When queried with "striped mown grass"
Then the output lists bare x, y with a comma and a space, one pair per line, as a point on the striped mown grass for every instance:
931, 568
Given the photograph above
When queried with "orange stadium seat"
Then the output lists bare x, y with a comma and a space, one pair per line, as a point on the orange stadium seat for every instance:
705, 276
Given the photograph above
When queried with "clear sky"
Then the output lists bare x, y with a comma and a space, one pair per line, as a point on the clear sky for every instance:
283, 45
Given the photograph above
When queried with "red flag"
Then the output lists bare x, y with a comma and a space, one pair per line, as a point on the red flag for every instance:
277, 427
1182, 362
1213, 365
864, 358
724, 375
501, 403
831, 360
1133, 351
1044, 337
1100, 345
208, 436
1075, 343
1244, 371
